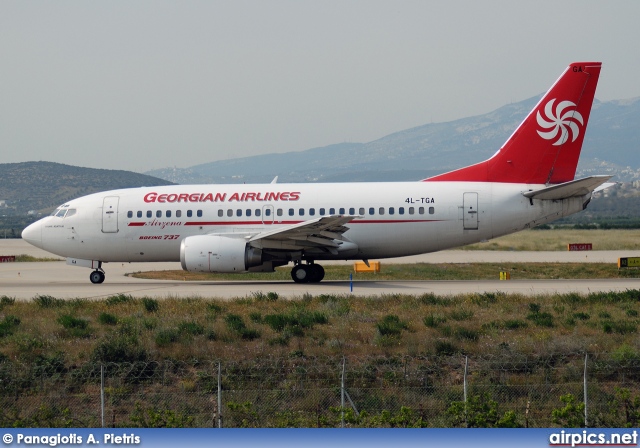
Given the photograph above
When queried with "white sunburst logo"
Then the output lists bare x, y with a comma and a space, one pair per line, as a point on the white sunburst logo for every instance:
560, 120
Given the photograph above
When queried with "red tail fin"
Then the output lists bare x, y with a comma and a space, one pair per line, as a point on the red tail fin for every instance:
546, 146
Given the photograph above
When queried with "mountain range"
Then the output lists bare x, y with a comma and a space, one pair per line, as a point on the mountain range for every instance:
611, 146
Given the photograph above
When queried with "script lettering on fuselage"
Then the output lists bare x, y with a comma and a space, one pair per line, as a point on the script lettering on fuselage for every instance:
222, 197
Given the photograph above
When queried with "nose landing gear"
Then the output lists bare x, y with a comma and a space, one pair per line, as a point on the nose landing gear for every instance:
307, 273
97, 276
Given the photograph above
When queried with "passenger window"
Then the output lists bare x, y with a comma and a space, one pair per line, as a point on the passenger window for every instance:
400, 210
352, 211
312, 211
158, 213
279, 212
342, 211
220, 213
332, 211
381, 210
149, 213
372, 211
229, 213
391, 210
291, 212
199, 213
301, 212
129, 214
189, 213
248, 212
321, 212
139, 214
238, 212
411, 211
421, 210
258, 212
361, 211
178, 213
432, 210
168, 214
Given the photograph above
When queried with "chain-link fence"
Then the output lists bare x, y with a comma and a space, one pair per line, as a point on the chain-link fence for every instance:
299, 391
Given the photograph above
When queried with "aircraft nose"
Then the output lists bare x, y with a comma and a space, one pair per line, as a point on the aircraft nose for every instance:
32, 234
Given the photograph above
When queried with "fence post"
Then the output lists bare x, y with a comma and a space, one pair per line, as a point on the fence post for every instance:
586, 356
342, 394
466, 367
102, 393
219, 396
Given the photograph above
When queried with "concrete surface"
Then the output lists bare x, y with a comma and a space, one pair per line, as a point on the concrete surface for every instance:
27, 280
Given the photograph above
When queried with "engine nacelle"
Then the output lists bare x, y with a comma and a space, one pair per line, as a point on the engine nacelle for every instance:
213, 253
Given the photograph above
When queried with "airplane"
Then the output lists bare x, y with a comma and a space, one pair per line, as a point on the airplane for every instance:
255, 228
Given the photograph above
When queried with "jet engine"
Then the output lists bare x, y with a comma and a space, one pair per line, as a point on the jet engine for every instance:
213, 253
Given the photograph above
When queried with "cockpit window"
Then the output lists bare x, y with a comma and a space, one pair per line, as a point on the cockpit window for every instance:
61, 213
55, 212
71, 212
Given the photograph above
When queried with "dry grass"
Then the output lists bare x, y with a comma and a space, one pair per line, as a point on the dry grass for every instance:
475, 324
558, 239
422, 271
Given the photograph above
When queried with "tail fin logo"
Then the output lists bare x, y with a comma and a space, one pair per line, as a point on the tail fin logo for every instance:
561, 121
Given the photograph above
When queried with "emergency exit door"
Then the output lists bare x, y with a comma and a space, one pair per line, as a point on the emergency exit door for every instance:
110, 214
470, 211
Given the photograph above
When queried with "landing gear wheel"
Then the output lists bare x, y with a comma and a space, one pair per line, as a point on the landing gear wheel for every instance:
96, 277
316, 273
300, 273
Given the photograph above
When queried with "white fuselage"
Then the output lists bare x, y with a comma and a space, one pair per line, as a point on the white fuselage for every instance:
395, 219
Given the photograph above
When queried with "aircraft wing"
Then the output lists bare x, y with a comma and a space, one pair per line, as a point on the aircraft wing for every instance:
578, 187
325, 232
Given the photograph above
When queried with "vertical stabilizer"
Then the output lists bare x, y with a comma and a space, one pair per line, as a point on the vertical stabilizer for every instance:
546, 146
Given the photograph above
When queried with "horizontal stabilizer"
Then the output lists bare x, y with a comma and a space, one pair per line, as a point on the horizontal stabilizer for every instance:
578, 187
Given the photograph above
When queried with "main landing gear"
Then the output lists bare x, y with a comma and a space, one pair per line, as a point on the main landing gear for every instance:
307, 273
97, 276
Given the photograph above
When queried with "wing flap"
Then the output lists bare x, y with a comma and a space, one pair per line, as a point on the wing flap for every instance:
325, 232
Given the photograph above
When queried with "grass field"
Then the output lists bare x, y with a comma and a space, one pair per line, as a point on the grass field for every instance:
324, 325
558, 239
424, 271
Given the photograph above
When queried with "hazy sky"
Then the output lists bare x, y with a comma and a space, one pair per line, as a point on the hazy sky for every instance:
139, 85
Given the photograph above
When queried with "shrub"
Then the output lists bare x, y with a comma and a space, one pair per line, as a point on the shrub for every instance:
466, 333
75, 327
166, 337
433, 320
236, 324
6, 301
444, 348
572, 415
540, 319
119, 298
391, 325
107, 319
69, 322
461, 315
151, 305
8, 324
514, 324
191, 328
45, 301
119, 349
